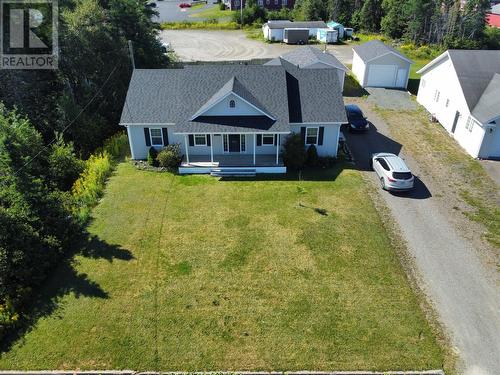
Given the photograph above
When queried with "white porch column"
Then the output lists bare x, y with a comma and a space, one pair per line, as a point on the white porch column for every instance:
187, 147
211, 148
254, 142
277, 149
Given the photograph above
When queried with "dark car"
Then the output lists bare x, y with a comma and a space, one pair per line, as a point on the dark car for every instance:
356, 118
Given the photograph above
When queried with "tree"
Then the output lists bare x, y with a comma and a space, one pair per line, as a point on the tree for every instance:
341, 11
370, 15
394, 21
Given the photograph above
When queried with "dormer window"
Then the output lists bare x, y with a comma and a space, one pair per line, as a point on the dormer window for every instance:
232, 104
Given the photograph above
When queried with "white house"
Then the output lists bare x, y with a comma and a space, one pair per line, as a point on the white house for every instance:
233, 116
461, 89
376, 64
274, 30
309, 57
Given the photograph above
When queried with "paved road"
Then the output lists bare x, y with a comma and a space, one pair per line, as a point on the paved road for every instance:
464, 292
204, 45
492, 167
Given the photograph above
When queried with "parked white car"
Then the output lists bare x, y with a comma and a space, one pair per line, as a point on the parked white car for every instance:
392, 172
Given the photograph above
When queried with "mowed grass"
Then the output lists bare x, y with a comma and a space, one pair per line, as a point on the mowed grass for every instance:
192, 273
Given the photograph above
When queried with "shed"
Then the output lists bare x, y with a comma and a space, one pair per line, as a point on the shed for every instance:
337, 26
376, 64
328, 36
274, 30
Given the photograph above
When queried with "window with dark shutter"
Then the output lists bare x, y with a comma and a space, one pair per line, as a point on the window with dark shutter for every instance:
209, 139
191, 140
164, 132
146, 137
320, 135
303, 134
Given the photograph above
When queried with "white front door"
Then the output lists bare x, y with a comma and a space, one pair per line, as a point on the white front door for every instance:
382, 75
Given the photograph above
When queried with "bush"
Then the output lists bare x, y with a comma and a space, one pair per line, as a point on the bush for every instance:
64, 166
294, 154
312, 156
222, 6
326, 162
152, 157
170, 157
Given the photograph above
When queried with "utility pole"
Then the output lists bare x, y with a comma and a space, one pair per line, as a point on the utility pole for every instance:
131, 53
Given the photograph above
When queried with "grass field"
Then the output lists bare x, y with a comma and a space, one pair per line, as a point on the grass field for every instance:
192, 273
214, 13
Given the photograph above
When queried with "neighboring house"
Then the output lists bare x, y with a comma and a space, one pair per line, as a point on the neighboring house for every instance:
493, 20
233, 116
376, 64
268, 4
495, 9
274, 30
461, 89
312, 58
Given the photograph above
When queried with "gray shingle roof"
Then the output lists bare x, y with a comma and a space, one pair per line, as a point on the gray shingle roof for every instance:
304, 57
296, 25
375, 48
167, 96
477, 72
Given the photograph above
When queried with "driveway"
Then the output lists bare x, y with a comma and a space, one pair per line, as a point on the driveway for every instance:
390, 99
218, 45
492, 167
462, 289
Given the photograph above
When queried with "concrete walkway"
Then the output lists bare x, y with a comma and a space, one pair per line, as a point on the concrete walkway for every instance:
465, 293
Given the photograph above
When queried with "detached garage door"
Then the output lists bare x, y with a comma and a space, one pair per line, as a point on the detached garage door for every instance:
382, 76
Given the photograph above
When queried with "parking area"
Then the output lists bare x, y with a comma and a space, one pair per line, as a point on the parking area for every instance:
169, 11
221, 45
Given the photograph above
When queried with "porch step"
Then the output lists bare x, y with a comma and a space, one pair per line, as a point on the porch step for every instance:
226, 172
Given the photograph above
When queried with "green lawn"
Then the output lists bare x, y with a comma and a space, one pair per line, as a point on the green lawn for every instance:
192, 273
214, 12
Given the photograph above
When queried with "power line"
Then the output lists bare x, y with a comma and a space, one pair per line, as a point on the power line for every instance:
44, 147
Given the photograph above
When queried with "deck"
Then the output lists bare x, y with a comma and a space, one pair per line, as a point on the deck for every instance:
234, 160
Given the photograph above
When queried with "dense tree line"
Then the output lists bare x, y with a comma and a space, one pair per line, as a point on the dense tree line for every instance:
49, 122
446, 22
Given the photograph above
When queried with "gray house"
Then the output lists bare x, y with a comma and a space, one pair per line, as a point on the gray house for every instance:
312, 58
376, 64
233, 116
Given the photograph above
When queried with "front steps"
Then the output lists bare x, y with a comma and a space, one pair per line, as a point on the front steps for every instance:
240, 172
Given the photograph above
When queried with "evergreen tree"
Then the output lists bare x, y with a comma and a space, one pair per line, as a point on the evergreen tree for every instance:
394, 21
370, 15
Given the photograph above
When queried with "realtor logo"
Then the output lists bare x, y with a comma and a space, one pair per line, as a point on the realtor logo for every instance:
28, 34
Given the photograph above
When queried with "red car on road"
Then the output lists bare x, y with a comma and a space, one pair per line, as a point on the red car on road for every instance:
184, 5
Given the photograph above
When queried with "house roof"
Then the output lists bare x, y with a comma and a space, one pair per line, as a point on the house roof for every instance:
175, 96
282, 24
477, 72
495, 9
374, 49
304, 57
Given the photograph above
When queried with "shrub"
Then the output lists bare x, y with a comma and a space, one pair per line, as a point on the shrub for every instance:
312, 156
170, 157
152, 157
116, 146
222, 6
326, 162
64, 166
294, 154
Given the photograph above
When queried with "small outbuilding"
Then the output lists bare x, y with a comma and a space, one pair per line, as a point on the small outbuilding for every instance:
376, 64
337, 26
274, 30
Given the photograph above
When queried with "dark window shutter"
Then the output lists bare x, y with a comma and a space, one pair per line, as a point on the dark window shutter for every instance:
259, 139
164, 132
146, 137
320, 135
209, 139
303, 134
276, 139
191, 140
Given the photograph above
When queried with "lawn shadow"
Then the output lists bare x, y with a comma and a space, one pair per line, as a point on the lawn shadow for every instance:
352, 88
64, 280
413, 84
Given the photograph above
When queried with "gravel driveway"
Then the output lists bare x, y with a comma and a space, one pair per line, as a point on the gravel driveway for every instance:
205, 45
458, 283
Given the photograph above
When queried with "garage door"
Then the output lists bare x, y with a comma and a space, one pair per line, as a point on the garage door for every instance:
382, 75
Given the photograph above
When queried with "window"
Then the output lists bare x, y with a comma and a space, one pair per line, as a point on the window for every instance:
268, 2
470, 123
232, 104
225, 139
267, 139
276, 2
402, 175
447, 103
285, 2
156, 137
436, 96
200, 140
383, 163
311, 136
261, 2
243, 143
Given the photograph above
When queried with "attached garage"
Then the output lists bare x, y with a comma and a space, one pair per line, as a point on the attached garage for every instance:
377, 65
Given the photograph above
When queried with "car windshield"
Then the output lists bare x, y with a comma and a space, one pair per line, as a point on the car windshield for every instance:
356, 115
402, 175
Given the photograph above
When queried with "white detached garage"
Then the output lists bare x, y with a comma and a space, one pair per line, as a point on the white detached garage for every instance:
376, 64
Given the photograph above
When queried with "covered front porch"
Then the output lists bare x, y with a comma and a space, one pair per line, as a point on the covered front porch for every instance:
252, 152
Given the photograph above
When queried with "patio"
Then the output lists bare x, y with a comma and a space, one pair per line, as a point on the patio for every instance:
231, 160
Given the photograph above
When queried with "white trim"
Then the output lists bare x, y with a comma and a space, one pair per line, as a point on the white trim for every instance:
187, 147
267, 144
434, 62
317, 136
385, 54
218, 132
277, 149
200, 135
151, 137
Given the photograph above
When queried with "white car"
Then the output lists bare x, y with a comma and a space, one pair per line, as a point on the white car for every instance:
392, 172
